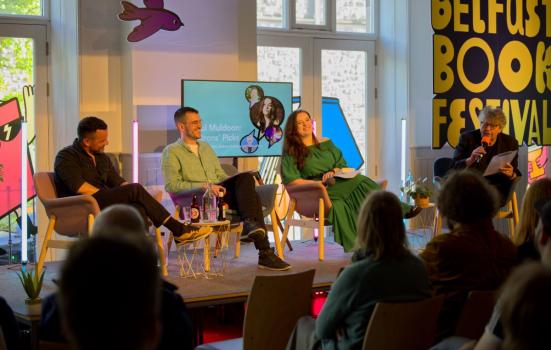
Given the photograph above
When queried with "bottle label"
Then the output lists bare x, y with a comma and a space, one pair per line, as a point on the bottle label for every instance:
195, 214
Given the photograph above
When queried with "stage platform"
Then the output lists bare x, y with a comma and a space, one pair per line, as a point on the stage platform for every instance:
234, 286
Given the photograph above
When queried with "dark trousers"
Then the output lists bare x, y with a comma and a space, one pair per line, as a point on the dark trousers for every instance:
136, 196
303, 336
241, 196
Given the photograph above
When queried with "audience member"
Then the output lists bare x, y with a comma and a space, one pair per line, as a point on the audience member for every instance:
526, 228
526, 306
109, 293
176, 325
8, 327
493, 336
383, 269
473, 256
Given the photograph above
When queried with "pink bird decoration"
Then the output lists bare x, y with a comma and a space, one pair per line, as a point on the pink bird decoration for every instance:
152, 18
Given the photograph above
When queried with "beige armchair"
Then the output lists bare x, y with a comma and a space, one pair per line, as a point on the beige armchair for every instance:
311, 202
69, 216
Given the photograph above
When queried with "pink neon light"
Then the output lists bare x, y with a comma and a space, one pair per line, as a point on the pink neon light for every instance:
135, 151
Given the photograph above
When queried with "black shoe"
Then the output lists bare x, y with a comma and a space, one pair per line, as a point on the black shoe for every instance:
269, 261
413, 212
251, 231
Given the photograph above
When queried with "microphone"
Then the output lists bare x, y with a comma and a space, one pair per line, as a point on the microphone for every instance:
484, 143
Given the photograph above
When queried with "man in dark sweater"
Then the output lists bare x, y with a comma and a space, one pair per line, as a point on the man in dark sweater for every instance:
83, 168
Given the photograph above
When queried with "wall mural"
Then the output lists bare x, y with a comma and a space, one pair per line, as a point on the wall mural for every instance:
10, 156
490, 53
538, 158
153, 18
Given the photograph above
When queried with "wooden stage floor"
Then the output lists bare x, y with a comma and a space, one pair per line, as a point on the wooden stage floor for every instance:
234, 286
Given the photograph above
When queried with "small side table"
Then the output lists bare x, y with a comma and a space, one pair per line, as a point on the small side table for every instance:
215, 245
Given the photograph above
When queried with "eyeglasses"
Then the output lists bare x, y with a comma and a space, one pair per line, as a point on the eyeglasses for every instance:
485, 125
196, 122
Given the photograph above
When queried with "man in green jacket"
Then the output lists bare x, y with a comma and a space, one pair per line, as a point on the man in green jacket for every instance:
189, 163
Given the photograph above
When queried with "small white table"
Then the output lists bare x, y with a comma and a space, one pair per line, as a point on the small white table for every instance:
215, 245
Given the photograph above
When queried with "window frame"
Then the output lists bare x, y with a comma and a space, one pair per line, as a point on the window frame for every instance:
38, 19
329, 31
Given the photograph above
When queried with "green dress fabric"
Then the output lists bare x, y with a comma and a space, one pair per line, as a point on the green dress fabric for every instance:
347, 195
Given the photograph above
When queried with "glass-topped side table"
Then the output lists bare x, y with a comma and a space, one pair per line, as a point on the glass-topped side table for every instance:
208, 257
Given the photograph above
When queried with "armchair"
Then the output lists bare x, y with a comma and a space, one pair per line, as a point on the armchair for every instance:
311, 201
69, 216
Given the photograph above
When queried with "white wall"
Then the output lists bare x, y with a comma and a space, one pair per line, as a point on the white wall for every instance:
420, 68
393, 75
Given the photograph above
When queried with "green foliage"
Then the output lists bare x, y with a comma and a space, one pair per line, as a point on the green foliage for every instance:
31, 282
21, 7
16, 67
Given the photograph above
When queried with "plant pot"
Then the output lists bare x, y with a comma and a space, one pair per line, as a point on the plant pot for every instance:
30, 301
33, 306
422, 202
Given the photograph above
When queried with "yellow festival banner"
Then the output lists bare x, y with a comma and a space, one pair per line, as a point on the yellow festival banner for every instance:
491, 52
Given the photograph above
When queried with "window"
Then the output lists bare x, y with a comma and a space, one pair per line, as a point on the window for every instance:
353, 16
22, 7
332, 71
331, 16
270, 14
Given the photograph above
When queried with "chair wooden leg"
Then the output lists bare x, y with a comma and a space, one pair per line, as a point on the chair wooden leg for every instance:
206, 254
515, 214
437, 224
290, 213
277, 240
237, 244
280, 225
161, 250
44, 248
321, 227
90, 223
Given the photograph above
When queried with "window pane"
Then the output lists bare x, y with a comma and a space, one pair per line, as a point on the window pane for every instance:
270, 13
311, 12
354, 16
17, 102
21, 7
343, 76
279, 64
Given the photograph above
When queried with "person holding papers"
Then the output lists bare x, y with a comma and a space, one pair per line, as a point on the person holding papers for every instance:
308, 160
476, 149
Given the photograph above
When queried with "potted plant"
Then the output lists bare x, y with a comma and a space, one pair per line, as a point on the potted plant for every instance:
32, 284
419, 191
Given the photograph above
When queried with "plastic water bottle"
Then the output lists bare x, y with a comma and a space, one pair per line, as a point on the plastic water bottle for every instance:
209, 204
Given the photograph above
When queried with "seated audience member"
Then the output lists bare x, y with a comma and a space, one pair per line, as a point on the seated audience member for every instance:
109, 294
83, 168
8, 327
176, 331
309, 160
470, 153
525, 308
383, 269
526, 228
473, 256
189, 163
493, 336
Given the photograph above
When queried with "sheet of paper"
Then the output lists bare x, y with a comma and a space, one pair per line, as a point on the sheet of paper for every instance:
348, 174
499, 161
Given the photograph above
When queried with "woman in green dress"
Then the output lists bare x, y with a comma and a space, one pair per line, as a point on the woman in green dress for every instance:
307, 160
